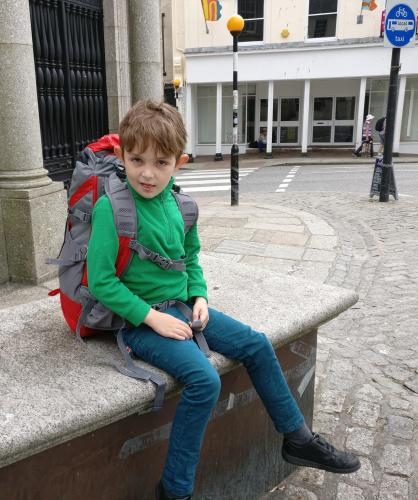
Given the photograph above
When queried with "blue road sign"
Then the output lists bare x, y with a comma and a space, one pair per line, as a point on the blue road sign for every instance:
400, 24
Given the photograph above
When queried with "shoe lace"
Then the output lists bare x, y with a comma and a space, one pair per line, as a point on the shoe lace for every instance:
321, 441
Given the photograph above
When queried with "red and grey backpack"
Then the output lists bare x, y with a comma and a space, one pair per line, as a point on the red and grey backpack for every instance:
98, 171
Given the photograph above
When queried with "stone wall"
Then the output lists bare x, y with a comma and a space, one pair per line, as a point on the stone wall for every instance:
118, 72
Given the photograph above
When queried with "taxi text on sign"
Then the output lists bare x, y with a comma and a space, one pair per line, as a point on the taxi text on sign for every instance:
400, 23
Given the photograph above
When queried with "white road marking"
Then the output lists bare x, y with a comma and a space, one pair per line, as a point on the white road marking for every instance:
206, 188
287, 180
219, 176
215, 171
193, 181
204, 181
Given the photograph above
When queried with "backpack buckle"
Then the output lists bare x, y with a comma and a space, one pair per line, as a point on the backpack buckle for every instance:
164, 263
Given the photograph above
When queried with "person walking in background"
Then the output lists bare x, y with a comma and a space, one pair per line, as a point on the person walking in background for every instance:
367, 137
381, 129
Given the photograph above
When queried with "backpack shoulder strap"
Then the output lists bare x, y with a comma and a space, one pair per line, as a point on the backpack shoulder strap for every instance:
124, 212
188, 207
123, 206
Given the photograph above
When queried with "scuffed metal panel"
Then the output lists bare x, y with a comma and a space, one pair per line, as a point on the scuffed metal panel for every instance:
123, 461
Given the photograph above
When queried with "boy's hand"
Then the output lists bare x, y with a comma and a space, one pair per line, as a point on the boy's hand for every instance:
168, 326
200, 311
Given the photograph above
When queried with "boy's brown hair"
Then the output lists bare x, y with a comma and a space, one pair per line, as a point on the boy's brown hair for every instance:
155, 124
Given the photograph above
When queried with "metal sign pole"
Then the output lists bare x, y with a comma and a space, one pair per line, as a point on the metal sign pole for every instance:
399, 31
387, 166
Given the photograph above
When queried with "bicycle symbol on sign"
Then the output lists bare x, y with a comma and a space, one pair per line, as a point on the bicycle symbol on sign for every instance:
402, 12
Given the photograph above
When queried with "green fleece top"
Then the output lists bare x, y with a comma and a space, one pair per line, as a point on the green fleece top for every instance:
161, 229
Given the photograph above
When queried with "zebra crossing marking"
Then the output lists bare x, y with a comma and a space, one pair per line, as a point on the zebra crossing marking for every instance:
209, 179
287, 180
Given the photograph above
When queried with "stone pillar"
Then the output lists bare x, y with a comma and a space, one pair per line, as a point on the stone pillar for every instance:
218, 152
190, 123
32, 207
305, 117
118, 71
360, 111
399, 114
269, 120
145, 43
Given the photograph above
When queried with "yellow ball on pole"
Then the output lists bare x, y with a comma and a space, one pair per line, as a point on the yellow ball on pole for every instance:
176, 83
235, 23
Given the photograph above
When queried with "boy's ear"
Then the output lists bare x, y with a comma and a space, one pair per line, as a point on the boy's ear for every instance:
184, 158
118, 152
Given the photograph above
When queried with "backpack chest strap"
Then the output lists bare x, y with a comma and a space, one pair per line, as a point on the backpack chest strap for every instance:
165, 263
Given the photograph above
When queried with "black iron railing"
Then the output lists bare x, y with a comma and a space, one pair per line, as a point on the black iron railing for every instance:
68, 49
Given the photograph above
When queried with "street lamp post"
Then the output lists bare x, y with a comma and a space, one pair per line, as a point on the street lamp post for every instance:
176, 84
235, 25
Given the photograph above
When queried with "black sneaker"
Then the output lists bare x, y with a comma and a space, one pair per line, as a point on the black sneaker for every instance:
161, 494
320, 454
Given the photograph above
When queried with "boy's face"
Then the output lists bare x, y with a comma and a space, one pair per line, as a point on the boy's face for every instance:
149, 171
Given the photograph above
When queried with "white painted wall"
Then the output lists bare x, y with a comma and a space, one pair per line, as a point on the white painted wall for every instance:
278, 14
314, 63
347, 26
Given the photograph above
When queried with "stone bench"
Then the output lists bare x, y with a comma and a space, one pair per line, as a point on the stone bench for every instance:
72, 427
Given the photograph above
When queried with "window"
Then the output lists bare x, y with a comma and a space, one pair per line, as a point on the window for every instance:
264, 109
409, 130
322, 18
253, 13
246, 93
376, 100
206, 114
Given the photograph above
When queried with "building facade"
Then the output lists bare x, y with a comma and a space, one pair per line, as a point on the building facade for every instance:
309, 71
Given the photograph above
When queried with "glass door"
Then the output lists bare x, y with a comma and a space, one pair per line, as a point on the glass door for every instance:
289, 121
322, 120
263, 119
344, 120
333, 120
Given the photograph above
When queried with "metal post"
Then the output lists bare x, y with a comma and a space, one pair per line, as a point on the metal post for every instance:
387, 166
234, 149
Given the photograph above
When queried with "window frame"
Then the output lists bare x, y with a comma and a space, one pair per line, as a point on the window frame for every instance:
324, 38
254, 42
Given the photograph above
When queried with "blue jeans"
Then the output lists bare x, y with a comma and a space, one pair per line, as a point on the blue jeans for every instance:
185, 361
